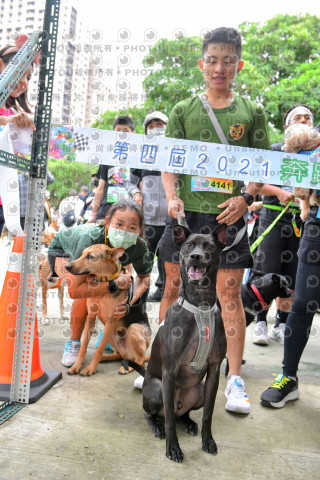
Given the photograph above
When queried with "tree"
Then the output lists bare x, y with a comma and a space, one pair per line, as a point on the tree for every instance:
68, 175
175, 74
108, 117
281, 64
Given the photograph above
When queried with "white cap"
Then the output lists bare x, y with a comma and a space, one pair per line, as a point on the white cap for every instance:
155, 115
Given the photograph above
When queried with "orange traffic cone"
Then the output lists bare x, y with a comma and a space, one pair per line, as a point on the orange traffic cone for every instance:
41, 381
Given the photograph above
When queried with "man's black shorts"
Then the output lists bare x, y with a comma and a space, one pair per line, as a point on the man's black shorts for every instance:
237, 256
277, 253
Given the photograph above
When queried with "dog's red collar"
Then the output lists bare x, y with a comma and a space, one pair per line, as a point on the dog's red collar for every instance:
258, 295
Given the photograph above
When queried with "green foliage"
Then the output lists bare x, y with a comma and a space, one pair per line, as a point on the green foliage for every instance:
108, 117
176, 73
68, 175
281, 64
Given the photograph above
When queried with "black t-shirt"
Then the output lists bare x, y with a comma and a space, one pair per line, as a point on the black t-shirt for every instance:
115, 178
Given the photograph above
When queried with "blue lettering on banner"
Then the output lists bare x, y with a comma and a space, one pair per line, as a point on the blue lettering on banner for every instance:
177, 157
121, 150
148, 154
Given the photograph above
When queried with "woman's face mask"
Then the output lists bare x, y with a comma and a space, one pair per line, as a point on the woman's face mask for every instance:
121, 238
157, 131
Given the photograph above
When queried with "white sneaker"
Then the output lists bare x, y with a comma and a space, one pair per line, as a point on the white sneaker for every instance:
260, 334
71, 352
277, 333
237, 399
138, 383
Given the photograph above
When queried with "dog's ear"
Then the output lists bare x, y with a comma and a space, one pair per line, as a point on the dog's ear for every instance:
117, 253
180, 234
220, 235
276, 278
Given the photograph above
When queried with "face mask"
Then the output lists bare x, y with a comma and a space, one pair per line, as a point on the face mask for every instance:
121, 238
95, 183
157, 131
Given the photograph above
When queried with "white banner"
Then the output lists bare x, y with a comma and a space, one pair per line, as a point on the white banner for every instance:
207, 161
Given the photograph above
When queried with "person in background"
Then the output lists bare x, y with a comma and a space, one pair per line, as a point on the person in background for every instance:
88, 200
277, 253
145, 187
111, 179
70, 210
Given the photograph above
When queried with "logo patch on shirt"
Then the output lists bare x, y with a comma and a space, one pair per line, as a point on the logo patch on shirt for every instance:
237, 130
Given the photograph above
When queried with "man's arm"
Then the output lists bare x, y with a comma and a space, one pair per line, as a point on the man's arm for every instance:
283, 195
175, 204
132, 186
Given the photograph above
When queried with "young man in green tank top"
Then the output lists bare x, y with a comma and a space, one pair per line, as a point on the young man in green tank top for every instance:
243, 124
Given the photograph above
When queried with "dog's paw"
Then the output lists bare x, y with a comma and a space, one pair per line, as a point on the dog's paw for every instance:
75, 370
123, 371
88, 372
159, 431
174, 452
192, 428
209, 446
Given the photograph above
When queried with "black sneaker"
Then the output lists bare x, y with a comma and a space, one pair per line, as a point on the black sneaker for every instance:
280, 392
155, 297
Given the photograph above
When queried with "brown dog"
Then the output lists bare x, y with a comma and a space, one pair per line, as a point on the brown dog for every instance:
44, 272
130, 335
302, 137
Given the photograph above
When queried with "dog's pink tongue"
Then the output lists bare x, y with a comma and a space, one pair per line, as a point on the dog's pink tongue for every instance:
195, 273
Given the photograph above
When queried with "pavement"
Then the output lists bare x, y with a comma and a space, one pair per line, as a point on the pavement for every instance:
94, 428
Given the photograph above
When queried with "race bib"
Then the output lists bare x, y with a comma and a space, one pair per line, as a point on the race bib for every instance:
210, 184
114, 194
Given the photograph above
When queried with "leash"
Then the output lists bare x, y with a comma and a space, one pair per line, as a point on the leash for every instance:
259, 240
292, 210
182, 221
259, 297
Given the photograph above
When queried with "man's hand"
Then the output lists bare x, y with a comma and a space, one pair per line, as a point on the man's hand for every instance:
234, 209
284, 196
174, 206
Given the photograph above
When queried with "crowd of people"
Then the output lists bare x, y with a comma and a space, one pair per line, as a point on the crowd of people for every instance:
145, 206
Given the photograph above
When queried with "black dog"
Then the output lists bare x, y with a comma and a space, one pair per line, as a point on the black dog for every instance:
260, 291
179, 358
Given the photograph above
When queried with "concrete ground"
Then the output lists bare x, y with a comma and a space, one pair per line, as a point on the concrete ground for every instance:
94, 427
